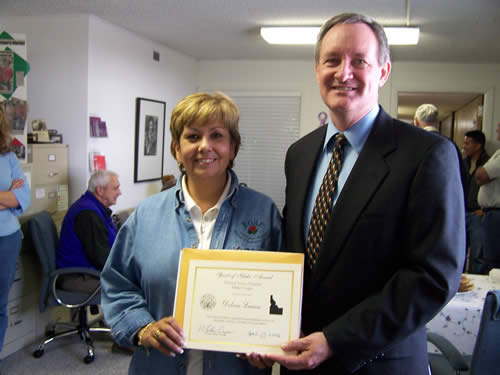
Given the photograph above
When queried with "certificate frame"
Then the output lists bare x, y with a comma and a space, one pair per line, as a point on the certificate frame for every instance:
149, 139
239, 301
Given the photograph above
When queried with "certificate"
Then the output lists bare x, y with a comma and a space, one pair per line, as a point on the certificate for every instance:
239, 301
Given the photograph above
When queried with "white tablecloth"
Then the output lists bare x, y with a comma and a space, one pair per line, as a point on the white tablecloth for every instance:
459, 319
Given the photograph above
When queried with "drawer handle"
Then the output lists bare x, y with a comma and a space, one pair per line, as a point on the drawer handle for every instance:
52, 174
14, 309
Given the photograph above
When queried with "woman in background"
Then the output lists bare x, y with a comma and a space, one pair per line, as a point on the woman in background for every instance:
207, 209
15, 197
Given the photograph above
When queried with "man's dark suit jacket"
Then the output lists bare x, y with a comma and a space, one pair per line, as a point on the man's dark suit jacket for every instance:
393, 251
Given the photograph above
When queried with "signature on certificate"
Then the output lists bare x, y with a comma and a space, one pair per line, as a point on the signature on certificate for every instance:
213, 330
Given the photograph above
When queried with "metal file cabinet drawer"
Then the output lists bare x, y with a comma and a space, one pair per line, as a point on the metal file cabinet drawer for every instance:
49, 163
16, 290
21, 319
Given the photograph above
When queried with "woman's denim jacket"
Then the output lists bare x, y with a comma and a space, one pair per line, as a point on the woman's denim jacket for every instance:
139, 278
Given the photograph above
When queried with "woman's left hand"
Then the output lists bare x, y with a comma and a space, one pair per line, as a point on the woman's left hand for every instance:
16, 184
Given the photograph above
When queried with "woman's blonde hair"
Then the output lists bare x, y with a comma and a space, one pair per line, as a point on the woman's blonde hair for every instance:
4, 133
201, 108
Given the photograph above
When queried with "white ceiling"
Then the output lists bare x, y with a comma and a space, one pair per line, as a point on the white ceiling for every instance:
451, 30
462, 31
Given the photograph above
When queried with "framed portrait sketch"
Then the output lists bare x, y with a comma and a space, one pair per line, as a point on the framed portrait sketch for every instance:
149, 139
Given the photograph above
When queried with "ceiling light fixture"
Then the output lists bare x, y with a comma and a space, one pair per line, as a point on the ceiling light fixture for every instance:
405, 35
308, 35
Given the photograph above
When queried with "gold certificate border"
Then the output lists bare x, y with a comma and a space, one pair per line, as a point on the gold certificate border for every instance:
244, 256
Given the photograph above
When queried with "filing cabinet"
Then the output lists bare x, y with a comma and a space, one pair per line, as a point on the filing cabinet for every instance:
22, 306
48, 167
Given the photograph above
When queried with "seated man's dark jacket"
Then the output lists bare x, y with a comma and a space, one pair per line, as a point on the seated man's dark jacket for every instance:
471, 186
87, 234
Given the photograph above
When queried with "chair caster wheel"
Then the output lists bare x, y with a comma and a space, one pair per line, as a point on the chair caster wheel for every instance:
38, 353
88, 359
50, 333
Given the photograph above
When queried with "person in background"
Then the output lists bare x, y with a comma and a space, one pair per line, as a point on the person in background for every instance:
207, 209
426, 117
474, 156
488, 177
390, 256
168, 181
88, 232
15, 197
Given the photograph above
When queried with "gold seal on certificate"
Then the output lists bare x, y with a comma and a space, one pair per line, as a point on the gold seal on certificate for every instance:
239, 301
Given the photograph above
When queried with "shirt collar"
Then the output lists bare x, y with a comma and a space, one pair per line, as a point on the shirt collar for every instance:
189, 201
357, 134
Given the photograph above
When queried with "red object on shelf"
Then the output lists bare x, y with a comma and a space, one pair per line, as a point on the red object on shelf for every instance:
99, 162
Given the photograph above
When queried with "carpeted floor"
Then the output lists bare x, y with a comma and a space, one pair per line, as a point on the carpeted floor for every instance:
65, 356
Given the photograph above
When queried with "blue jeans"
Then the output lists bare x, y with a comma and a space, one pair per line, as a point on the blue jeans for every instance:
10, 246
491, 225
475, 237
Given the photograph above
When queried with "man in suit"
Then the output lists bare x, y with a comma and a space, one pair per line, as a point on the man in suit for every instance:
394, 246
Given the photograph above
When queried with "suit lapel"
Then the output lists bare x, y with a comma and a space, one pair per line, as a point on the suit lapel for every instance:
299, 179
363, 182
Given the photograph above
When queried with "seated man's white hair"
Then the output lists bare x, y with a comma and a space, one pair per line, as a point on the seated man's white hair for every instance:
100, 178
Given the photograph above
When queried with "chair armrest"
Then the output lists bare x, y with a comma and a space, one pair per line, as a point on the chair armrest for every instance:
71, 270
453, 356
86, 297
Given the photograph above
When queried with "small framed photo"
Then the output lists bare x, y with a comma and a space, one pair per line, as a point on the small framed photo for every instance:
149, 139
38, 125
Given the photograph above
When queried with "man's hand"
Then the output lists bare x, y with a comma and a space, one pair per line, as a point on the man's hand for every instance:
257, 360
478, 213
312, 351
482, 176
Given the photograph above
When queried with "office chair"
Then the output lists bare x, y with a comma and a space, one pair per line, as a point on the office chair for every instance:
44, 236
485, 358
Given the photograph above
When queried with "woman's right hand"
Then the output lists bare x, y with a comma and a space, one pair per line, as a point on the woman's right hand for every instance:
165, 335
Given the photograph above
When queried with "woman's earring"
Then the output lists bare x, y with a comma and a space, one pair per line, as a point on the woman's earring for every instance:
181, 167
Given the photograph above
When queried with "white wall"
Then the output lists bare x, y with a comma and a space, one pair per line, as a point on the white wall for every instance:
121, 68
245, 75
57, 54
436, 77
82, 65
271, 75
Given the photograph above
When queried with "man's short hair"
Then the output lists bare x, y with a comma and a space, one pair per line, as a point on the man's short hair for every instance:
100, 178
476, 135
427, 113
384, 53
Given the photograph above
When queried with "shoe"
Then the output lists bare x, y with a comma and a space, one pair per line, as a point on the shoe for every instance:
115, 348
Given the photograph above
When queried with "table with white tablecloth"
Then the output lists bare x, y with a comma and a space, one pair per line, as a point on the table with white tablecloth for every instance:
459, 319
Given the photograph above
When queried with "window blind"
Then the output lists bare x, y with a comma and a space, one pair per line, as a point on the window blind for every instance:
269, 124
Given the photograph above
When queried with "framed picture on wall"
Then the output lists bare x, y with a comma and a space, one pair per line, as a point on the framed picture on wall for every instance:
149, 139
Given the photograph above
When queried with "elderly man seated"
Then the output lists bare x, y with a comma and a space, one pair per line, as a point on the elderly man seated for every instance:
88, 232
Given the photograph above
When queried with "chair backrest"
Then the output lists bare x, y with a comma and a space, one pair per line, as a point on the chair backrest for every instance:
486, 358
44, 235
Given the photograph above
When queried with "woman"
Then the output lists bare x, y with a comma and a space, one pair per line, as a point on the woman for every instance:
15, 198
205, 209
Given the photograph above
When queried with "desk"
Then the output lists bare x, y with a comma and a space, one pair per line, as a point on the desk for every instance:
459, 319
